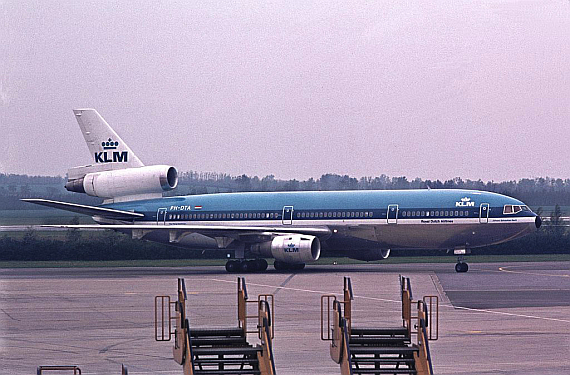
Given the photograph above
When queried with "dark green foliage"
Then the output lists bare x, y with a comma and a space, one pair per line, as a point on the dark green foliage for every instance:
93, 246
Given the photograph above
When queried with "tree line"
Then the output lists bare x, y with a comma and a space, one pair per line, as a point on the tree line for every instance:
540, 191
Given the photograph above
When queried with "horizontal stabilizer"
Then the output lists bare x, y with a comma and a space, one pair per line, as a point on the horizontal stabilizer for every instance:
87, 210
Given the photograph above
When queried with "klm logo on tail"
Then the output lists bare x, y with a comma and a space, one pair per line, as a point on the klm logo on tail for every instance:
111, 156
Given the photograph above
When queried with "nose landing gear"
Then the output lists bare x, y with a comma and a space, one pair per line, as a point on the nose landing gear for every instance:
461, 266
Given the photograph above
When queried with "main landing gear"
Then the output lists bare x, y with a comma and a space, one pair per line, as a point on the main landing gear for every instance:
245, 266
284, 266
461, 266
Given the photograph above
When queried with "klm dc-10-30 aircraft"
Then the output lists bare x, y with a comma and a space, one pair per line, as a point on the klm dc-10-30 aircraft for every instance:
292, 227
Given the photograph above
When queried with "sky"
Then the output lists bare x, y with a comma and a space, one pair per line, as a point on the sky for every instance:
438, 89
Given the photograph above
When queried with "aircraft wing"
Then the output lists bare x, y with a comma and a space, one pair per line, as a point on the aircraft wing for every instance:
208, 230
86, 210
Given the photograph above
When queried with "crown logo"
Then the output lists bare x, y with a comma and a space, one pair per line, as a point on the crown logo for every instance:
110, 144
466, 199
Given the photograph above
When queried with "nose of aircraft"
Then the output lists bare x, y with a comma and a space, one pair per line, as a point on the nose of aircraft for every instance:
537, 221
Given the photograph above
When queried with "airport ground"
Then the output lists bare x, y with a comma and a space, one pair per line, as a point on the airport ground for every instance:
499, 318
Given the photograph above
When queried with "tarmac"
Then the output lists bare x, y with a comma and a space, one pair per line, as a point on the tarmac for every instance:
498, 318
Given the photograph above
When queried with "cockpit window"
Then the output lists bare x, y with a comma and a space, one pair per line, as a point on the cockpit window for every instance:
514, 208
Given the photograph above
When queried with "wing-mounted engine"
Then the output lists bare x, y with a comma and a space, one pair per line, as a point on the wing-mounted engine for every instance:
131, 183
369, 255
295, 248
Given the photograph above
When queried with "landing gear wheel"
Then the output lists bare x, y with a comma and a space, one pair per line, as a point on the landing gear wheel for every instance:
247, 266
284, 266
261, 264
279, 266
232, 266
461, 267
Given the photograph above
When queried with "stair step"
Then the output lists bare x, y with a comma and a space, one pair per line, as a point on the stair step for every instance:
202, 341
383, 371
225, 361
227, 372
382, 361
235, 350
377, 340
382, 350
233, 331
393, 331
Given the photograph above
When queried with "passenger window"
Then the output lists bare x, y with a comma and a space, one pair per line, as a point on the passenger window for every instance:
431, 213
403, 213
460, 213
456, 213
371, 214
413, 213
446, 213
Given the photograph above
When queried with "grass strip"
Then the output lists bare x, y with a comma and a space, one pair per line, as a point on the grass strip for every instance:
322, 261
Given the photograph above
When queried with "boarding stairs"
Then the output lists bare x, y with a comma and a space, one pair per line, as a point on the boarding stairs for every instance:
218, 351
380, 350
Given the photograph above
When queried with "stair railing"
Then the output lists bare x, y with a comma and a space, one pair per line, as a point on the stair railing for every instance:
423, 356
348, 298
266, 359
243, 317
431, 306
327, 307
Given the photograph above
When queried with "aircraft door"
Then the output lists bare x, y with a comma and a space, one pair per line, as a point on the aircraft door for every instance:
161, 216
484, 213
392, 215
287, 215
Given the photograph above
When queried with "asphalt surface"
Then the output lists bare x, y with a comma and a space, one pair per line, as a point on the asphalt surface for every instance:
506, 318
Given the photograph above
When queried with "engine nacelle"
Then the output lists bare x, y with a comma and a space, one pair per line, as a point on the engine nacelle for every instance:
369, 255
126, 182
295, 248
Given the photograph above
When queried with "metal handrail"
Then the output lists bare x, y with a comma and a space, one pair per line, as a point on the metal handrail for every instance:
328, 298
426, 343
346, 341
189, 337
269, 343
242, 286
348, 286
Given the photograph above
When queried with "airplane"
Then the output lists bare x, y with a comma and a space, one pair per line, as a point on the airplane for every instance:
294, 228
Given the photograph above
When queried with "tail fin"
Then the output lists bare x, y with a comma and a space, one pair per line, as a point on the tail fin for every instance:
107, 149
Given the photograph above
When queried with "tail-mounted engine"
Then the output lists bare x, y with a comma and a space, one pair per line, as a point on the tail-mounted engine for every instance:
126, 182
295, 248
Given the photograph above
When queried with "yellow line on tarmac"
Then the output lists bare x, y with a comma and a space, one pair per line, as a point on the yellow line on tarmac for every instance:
504, 269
